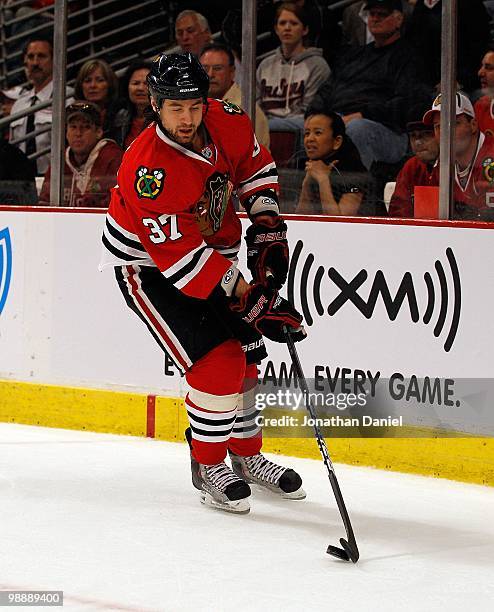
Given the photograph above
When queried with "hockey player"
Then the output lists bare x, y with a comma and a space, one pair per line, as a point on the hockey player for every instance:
172, 235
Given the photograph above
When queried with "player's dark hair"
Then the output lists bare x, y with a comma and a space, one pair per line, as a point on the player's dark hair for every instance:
221, 48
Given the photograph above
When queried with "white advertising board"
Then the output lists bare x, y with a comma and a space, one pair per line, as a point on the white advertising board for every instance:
377, 298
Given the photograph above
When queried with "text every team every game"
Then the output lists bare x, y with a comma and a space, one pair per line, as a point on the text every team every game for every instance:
343, 388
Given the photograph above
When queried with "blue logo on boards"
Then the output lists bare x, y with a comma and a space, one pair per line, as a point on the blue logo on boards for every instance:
5, 265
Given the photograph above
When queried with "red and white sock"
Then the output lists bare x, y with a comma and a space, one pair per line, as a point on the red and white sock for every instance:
246, 438
212, 401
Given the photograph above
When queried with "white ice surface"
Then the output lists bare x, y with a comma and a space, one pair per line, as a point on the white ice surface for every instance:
114, 522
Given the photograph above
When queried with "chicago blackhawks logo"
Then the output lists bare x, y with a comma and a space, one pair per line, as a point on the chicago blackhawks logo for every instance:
210, 209
232, 109
488, 166
149, 183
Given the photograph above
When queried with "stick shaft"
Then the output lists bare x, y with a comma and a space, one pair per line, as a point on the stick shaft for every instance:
320, 440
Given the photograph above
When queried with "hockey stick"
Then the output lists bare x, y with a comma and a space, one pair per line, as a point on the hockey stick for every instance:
349, 550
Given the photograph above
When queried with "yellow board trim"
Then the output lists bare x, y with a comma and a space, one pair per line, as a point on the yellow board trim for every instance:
467, 459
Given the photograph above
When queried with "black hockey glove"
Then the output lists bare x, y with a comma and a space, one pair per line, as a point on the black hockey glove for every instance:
267, 249
267, 312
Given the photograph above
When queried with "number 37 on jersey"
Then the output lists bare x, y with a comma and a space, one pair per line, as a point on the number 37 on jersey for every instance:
164, 228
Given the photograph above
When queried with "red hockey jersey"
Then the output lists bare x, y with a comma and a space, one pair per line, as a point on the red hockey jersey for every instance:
415, 172
484, 113
478, 190
172, 207
472, 198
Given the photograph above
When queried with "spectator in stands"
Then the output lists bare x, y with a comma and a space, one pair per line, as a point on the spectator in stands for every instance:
288, 78
355, 29
323, 23
219, 63
91, 161
324, 28
129, 121
424, 32
334, 173
97, 83
420, 170
26, 16
17, 184
375, 86
7, 100
192, 32
484, 110
474, 157
38, 66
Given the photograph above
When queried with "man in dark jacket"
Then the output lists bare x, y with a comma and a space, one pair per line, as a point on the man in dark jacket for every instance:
424, 32
17, 184
374, 87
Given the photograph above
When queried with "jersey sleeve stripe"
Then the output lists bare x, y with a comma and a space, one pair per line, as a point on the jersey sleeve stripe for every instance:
268, 181
122, 247
268, 170
121, 229
184, 265
121, 237
117, 252
229, 252
195, 270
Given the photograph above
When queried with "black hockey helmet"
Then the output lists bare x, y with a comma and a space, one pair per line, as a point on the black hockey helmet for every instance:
177, 76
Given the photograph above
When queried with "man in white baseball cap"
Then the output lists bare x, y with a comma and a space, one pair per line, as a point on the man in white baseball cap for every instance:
463, 107
474, 160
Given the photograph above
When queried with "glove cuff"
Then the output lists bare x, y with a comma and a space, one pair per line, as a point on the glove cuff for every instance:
230, 280
262, 203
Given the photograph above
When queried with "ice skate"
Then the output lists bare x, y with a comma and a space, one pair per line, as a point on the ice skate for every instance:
258, 470
220, 487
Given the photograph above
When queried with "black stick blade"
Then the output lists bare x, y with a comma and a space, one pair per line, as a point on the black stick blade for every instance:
339, 553
346, 553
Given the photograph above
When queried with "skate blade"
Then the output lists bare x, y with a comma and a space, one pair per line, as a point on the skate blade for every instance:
240, 506
298, 494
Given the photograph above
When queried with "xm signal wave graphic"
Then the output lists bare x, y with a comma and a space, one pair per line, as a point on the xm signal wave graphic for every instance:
5, 265
447, 297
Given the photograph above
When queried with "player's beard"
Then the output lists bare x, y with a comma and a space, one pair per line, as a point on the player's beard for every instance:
185, 141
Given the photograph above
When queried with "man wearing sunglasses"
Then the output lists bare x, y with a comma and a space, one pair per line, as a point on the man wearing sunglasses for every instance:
91, 161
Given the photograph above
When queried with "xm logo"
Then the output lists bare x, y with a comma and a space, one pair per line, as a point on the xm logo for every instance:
5, 265
352, 291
